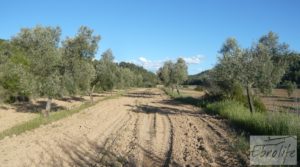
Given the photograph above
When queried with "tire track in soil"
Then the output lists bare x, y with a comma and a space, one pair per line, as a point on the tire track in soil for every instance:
112, 138
152, 137
170, 150
228, 156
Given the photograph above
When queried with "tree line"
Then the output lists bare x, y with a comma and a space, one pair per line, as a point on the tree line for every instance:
37, 63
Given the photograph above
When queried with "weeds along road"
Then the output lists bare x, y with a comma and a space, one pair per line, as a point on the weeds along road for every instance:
142, 128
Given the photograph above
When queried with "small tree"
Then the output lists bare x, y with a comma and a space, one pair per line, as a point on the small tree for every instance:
172, 75
290, 87
165, 73
180, 73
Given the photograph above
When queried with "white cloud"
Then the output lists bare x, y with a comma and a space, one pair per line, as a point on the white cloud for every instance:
149, 64
154, 65
144, 60
193, 59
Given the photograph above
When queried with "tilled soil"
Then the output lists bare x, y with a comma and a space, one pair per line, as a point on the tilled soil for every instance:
142, 128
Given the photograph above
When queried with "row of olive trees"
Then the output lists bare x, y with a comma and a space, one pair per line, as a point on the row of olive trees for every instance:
260, 66
173, 74
36, 62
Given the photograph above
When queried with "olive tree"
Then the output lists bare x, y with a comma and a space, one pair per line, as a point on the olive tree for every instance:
40, 44
106, 71
165, 73
180, 73
254, 67
78, 54
172, 75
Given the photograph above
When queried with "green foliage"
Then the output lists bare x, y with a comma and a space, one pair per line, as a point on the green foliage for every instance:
259, 105
35, 63
106, 71
254, 67
173, 74
290, 87
40, 46
293, 68
166, 73
198, 79
77, 69
144, 78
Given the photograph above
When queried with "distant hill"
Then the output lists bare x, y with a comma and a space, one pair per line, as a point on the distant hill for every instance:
197, 79
149, 78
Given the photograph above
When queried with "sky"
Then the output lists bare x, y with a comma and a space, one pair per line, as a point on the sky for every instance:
149, 32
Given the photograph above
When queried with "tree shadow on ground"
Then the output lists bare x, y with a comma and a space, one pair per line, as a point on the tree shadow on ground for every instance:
71, 99
141, 95
29, 107
149, 109
86, 152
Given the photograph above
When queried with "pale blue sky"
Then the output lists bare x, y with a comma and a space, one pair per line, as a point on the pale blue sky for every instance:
148, 32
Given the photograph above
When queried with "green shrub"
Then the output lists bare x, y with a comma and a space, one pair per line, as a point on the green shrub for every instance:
290, 87
259, 105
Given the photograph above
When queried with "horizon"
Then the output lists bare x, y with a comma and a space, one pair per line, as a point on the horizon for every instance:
149, 33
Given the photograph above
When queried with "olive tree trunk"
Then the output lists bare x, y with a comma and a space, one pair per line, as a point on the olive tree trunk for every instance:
48, 107
91, 94
177, 90
250, 99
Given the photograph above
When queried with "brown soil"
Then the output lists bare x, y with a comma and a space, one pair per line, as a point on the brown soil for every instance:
11, 115
143, 128
279, 101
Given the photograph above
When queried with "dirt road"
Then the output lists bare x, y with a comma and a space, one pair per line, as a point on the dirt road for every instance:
143, 128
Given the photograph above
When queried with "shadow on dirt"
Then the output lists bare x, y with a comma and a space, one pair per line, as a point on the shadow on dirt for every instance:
30, 107
86, 152
141, 95
71, 99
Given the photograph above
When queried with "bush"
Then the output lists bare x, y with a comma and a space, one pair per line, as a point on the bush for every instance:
259, 105
236, 93
290, 87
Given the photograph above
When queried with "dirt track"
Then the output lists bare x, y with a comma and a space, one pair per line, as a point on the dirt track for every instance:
143, 128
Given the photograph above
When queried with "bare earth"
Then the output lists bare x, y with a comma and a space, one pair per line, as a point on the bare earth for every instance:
279, 101
143, 128
11, 115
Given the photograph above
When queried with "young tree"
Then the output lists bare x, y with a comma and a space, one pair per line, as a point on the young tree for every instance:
165, 73
41, 47
290, 87
172, 75
180, 73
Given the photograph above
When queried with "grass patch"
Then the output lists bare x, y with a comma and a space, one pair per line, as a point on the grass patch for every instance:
257, 123
54, 116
